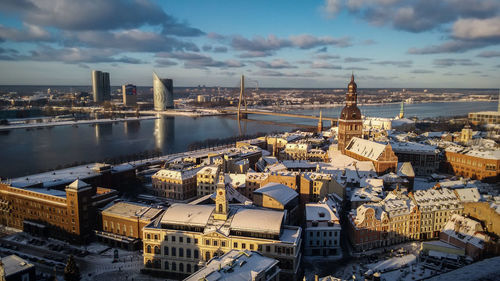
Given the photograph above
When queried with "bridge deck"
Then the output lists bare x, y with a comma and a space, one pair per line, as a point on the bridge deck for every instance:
283, 114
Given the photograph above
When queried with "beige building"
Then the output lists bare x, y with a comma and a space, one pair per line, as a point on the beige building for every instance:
206, 180
187, 236
175, 184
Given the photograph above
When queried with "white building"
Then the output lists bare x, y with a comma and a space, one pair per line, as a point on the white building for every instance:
238, 266
322, 232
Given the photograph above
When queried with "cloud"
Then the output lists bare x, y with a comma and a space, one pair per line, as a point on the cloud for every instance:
327, 57
471, 29
132, 40
331, 8
75, 56
206, 48
255, 54
405, 63
368, 42
275, 64
29, 33
351, 59
452, 62
165, 63
356, 68
196, 60
306, 41
421, 71
220, 49
99, 15
454, 46
322, 50
324, 65
489, 54
274, 73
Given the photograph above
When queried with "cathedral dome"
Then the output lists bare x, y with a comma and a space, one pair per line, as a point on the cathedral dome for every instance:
350, 113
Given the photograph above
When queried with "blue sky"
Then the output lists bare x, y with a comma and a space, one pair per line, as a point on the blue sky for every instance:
387, 43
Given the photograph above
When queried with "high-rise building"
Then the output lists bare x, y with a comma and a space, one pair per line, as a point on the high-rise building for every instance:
350, 123
129, 92
163, 93
101, 86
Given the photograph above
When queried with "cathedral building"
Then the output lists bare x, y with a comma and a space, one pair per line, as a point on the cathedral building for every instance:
350, 123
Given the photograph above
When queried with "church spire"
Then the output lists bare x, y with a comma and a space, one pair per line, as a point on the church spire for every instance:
221, 203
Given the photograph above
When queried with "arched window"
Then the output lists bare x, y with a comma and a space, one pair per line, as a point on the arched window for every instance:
181, 267
148, 249
157, 250
174, 266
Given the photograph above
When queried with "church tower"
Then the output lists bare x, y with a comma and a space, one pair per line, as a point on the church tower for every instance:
350, 123
221, 204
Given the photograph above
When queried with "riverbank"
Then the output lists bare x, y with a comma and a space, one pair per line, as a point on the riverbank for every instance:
73, 123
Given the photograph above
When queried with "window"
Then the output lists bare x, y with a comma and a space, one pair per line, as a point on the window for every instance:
188, 240
157, 250
243, 245
174, 266
165, 251
181, 252
196, 254
148, 236
156, 235
188, 268
166, 265
223, 243
173, 238
268, 248
215, 242
207, 242
166, 238
251, 246
196, 240
235, 245
181, 267
173, 251
148, 249
207, 256
188, 253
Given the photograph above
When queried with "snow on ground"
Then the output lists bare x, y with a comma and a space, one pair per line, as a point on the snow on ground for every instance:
415, 272
488, 269
393, 263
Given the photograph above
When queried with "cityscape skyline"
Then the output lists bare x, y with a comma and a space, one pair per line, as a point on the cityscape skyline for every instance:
385, 43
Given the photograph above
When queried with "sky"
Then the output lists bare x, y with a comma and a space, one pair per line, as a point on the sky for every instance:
279, 43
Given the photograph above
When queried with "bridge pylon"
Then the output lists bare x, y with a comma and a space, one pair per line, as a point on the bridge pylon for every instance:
242, 99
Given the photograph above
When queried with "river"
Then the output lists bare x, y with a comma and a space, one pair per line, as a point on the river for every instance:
25, 152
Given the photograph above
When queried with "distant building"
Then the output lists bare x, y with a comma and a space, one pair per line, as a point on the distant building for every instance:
423, 158
187, 236
350, 123
484, 117
238, 265
279, 197
129, 93
175, 184
67, 214
163, 93
206, 180
473, 163
322, 232
465, 233
381, 155
122, 224
101, 86
14, 268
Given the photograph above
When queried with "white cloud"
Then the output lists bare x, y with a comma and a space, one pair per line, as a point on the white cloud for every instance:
477, 28
331, 8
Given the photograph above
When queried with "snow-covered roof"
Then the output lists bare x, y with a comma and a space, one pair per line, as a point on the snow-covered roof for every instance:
13, 264
475, 152
321, 212
132, 210
482, 270
367, 194
235, 180
405, 169
185, 214
468, 194
366, 148
234, 266
278, 192
413, 147
78, 185
465, 230
256, 220
177, 174
436, 198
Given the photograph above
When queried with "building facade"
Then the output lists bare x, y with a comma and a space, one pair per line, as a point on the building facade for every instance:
163, 93
484, 117
423, 158
100, 86
188, 236
381, 155
206, 180
350, 122
322, 232
175, 184
473, 163
68, 214
129, 93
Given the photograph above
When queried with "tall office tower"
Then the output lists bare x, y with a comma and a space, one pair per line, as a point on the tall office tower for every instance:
163, 90
97, 86
106, 86
100, 86
350, 123
129, 92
